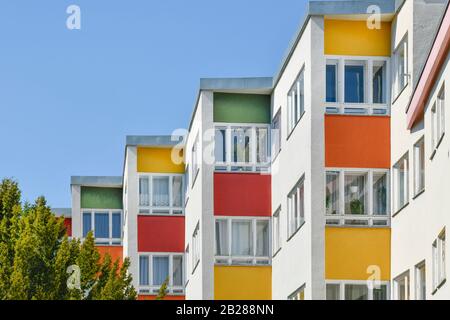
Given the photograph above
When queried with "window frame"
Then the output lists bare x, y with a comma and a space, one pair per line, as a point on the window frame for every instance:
297, 218
253, 259
396, 89
299, 108
420, 280
368, 220
276, 232
419, 173
437, 119
196, 247
161, 210
405, 276
153, 289
370, 287
298, 294
395, 180
240, 167
439, 267
110, 241
368, 107
275, 135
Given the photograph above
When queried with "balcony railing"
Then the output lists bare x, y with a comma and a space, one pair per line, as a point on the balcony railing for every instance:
357, 108
357, 220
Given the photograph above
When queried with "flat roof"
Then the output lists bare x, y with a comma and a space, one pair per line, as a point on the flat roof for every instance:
154, 141
97, 181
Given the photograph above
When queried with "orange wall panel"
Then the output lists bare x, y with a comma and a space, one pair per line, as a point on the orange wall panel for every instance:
357, 141
116, 252
242, 194
161, 233
68, 225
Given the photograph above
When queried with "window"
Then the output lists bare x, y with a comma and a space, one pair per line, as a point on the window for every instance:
401, 183
356, 290
401, 284
296, 101
276, 134
419, 166
187, 264
355, 197
106, 226
438, 251
379, 82
242, 241
400, 67
276, 231
242, 148
155, 268
331, 82
296, 208
196, 247
165, 196
298, 294
195, 159
354, 82
420, 281
186, 183
438, 119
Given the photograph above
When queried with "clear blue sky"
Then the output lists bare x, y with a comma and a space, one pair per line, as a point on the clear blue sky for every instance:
69, 98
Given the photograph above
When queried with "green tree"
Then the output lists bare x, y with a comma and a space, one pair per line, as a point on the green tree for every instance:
163, 290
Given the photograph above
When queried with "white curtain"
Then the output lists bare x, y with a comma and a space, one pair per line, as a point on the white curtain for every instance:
161, 191
241, 242
144, 191
261, 138
177, 270
176, 191
262, 238
160, 270
222, 237
241, 139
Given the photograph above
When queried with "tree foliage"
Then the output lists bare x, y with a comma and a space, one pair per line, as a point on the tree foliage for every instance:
38, 261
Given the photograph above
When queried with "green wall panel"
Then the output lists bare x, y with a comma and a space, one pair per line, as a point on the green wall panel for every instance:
241, 108
101, 198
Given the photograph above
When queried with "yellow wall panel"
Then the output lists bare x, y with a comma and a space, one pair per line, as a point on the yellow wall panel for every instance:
157, 160
242, 283
350, 251
353, 38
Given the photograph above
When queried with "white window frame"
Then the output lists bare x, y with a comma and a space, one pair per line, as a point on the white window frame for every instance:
195, 157
298, 294
196, 247
252, 165
104, 241
438, 120
439, 261
298, 107
154, 289
295, 218
405, 276
367, 107
158, 210
243, 260
276, 231
371, 285
275, 135
396, 90
395, 181
366, 220
419, 176
421, 282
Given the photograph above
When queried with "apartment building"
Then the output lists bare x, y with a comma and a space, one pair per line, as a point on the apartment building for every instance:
420, 151
296, 186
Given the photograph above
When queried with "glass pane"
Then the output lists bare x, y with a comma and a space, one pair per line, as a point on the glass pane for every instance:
333, 292
101, 225
380, 293
222, 238
332, 193
378, 84
240, 138
354, 84
402, 180
400, 64
380, 193
331, 83
242, 239
356, 292
355, 193
177, 182
143, 271
276, 135
177, 270
261, 145
87, 223
160, 270
116, 225
161, 191
144, 192
262, 238
219, 146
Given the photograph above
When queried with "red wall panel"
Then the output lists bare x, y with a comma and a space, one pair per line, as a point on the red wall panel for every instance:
68, 225
160, 234
242, 194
